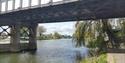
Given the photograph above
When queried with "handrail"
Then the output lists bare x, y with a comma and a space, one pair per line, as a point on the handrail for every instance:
51, 2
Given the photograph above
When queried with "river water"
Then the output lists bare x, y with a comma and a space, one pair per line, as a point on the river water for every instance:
49, 51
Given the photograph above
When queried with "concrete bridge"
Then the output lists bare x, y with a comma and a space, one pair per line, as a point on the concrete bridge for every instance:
26, 15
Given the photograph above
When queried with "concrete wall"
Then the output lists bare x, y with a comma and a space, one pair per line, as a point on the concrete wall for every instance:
116, 57
7, 47
4, 47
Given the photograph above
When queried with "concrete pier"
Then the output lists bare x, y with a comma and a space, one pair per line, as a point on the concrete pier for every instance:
15, 38
32, 36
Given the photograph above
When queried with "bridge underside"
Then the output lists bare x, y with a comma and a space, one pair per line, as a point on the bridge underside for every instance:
74, 11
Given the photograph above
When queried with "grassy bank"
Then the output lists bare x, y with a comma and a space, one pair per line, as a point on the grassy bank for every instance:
100, 59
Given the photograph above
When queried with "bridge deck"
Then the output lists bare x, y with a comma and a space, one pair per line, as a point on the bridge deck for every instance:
71, 11
36, 6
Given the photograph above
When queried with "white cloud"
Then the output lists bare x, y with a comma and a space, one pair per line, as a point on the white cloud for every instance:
63, 27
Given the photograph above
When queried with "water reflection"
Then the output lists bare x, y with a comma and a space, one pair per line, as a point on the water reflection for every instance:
49, 51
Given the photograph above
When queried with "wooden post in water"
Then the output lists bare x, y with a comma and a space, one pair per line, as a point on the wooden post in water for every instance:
15, 38
32, 37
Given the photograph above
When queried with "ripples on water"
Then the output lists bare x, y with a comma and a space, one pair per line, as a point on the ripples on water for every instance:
49, 51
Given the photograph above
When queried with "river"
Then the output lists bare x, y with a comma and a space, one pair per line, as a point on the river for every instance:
49, 51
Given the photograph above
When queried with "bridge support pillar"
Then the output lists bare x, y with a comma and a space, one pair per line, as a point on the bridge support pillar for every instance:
15, 38
32, 36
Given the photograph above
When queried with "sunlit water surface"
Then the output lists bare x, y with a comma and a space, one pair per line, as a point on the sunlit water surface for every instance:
49, 51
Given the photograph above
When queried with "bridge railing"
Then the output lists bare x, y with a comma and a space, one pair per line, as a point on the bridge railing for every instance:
7, 6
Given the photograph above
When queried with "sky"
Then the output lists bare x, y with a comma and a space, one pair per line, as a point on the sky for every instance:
65, 28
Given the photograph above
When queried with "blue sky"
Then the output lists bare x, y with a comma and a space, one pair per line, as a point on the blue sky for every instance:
62, 27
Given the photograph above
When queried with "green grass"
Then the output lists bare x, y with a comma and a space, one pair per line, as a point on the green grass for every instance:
100, 59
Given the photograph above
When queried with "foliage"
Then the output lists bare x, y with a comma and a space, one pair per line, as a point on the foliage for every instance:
50, 36
45, 37
56, 35
90, 34
79, 34
41, 30
100, 59
100, 33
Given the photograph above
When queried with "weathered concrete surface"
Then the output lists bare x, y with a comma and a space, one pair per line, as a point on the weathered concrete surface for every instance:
15, 38
7, 47
116, 57
4, 47
32, 37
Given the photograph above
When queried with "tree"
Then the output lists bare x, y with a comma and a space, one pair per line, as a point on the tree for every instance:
99, 33
56, 35
41, 30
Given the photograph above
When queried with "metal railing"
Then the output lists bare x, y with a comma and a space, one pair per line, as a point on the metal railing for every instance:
7, 6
